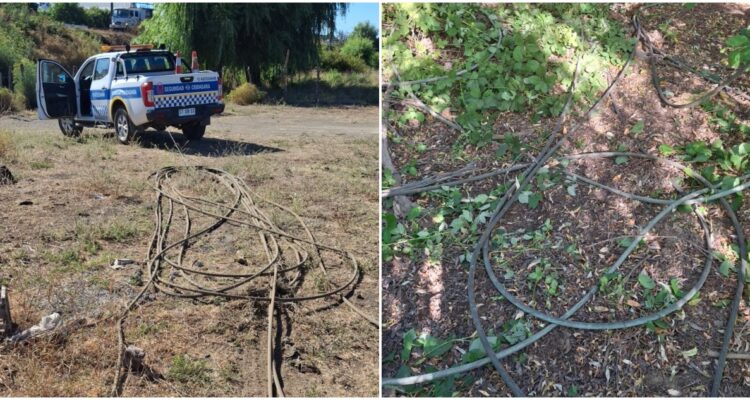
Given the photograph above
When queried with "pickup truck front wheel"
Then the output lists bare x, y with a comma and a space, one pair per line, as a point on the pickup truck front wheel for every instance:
124, 128
69, 127
194, 131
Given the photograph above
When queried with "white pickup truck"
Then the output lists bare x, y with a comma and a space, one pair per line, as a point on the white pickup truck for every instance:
130, 90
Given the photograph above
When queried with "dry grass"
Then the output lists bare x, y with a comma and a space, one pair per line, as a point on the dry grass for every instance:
92, 203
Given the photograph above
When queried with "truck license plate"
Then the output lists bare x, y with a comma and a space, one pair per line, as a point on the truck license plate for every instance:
186, 112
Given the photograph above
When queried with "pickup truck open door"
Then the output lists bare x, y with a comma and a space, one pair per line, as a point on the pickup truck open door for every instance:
55, 91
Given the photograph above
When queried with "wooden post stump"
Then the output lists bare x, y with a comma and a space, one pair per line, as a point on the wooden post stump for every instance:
6, 323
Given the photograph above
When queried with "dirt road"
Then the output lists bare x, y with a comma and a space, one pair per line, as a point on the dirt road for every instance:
91, 202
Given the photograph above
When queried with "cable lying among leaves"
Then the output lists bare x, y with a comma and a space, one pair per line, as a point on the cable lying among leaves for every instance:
287, 257
484, 245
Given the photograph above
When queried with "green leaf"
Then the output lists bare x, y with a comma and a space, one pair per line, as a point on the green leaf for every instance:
409, 339
735, 57
666, 150
537, 275
403, 372
434, 347
726, 267
621, 160
661, 324
638, 127
414, 213
572, 190
534, 200
738, 41
482, 198
501, 150
421, 147
476, 351
523, 197
646, 281
674, 284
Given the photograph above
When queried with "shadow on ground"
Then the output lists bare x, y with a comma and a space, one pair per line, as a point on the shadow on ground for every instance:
305, 95
206, 147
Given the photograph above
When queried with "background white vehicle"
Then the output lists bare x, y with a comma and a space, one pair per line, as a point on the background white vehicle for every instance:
129, 18
130, 90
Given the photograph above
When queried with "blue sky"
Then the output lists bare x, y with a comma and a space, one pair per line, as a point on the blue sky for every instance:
358, 12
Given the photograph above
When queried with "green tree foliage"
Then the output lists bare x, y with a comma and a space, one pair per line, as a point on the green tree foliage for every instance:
69, 13
361, 48
26, 35
333, 59
253, 37
72, 13
97, 18
24, 81
368, 31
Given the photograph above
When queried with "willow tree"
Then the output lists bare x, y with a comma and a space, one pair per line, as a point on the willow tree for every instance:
251, 37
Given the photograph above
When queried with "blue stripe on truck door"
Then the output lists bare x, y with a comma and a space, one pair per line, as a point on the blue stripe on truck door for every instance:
134, 92
125, 93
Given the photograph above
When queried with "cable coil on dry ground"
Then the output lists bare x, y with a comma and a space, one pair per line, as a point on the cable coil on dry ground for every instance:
554, 142
286, 256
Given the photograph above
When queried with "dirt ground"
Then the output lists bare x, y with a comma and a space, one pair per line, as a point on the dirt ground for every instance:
80, 203
431, 297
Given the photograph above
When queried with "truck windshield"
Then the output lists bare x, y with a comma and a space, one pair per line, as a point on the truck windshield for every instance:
148, 62
121, 13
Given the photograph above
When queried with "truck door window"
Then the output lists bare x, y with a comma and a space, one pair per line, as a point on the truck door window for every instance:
53, 73
101, 69
87, 71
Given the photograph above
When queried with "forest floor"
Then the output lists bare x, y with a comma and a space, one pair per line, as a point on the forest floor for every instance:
78, 204
576, 236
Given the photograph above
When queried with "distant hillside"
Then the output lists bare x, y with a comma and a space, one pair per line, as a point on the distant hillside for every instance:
26, 35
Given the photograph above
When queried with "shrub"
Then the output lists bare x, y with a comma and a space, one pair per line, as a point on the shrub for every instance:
185, 370
361, 48
69, 13
97, 17
7, 148
6, 100
24, 81
10, 101
333, 59
245, 94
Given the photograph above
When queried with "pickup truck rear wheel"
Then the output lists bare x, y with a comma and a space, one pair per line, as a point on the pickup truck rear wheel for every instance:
69, 127
194, 131
124, 128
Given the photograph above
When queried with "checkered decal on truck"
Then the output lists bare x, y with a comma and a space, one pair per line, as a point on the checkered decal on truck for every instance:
185, 100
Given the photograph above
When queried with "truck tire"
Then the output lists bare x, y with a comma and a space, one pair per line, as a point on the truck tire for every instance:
194, 131
124, 128
69, 127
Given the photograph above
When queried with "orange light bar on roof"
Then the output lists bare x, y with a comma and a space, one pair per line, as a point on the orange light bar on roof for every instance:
121, 47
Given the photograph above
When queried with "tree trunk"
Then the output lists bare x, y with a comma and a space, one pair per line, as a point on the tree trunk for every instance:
255, 75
